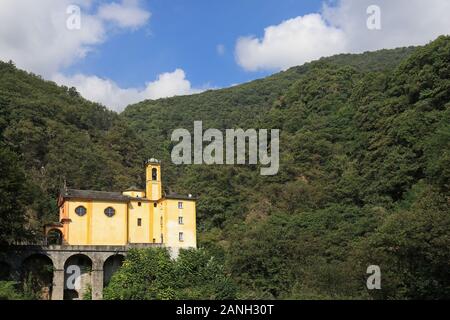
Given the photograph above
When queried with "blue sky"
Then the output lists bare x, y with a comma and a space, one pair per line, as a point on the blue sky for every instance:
185, 34
119, 52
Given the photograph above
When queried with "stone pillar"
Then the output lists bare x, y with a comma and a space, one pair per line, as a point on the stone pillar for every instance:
97, 280
58, 284
58, 260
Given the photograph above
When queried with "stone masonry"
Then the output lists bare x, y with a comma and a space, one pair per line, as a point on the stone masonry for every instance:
14, 256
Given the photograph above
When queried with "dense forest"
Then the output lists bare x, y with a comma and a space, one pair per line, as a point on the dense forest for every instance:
363, 180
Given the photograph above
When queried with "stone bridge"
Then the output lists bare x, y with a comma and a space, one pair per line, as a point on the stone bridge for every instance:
98, 262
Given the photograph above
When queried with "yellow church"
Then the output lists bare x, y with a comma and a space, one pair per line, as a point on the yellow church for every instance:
134, 216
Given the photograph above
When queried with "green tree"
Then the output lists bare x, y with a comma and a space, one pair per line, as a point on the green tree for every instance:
8, 291
14, 194
149, 274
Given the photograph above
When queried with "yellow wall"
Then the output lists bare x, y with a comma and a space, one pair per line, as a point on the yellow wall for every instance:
143, 233
95, 228
109, 230
158, 212
79, 226
134, 193
172, 228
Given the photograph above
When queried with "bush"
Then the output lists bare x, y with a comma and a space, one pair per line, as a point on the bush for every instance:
149, 274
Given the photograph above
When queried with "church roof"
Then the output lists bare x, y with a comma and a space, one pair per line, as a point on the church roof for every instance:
114, 196
179, 196
91, 194
152, 160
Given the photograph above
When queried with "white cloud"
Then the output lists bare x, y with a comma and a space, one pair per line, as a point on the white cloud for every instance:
290, 43
126, 14
34, 35
108, 93
403, 22
169, 84
342, 28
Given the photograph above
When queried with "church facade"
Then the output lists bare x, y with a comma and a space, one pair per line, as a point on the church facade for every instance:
134, 216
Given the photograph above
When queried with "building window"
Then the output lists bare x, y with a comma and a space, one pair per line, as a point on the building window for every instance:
81, 211
110, 212
139, 204
180, 205
180, 220
155, 204
139, 222
154, 174
180, 236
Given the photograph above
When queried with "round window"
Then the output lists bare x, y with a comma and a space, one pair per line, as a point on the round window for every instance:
81, 211
110, 211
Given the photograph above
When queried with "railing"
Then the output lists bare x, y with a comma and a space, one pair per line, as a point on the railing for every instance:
40, 242
45, 244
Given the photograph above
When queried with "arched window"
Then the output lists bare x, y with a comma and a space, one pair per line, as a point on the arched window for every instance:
154, 174
110, 212
54, 237
80, 210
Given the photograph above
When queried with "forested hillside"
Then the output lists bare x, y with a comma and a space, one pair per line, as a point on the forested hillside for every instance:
49, 135
364, 170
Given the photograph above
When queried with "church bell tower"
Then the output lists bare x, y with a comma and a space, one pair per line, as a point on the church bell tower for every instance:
153, 188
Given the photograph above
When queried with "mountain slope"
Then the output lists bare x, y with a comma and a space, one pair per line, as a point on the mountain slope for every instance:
58, 136
364, 144
363, 180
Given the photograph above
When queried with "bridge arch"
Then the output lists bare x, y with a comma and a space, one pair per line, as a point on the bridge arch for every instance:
96, 265
5, 271
111, 265
36, 275
78, 277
